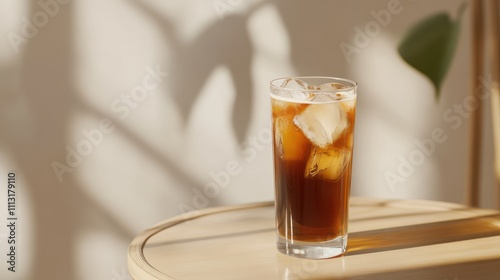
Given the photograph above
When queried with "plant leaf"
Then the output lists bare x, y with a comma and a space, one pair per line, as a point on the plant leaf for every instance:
430, 45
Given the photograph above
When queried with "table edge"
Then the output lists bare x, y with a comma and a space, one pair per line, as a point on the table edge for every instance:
139, 267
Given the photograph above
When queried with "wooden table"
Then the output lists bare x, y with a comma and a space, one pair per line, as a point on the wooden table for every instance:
388, 239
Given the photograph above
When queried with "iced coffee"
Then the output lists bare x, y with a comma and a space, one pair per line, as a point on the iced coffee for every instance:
313, 125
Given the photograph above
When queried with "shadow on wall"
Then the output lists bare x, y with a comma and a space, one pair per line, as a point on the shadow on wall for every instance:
47, 86
38, 135
225, 43
61, 209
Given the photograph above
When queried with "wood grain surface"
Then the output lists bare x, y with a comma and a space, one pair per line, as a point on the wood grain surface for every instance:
388, 239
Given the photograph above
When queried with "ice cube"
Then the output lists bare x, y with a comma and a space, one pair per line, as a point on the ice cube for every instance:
349, 108
330, 92
349, 104
330, 86
322, 123
322, 97
327, 164
291, 144
282, 108
295, 89
350, 141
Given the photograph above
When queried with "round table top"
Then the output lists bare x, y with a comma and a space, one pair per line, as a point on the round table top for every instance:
388, 239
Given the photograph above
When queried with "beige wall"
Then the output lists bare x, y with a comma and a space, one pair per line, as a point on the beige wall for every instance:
175, 93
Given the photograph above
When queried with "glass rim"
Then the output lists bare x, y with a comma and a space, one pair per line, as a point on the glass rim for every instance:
350, 84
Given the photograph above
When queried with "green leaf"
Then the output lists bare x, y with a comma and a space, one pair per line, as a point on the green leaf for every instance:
430, 45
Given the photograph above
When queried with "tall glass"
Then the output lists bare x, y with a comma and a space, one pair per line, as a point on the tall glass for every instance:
313, 127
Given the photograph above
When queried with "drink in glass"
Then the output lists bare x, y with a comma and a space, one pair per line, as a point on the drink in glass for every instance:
313, 126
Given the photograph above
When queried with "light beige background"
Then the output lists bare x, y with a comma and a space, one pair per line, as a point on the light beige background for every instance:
211, 110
